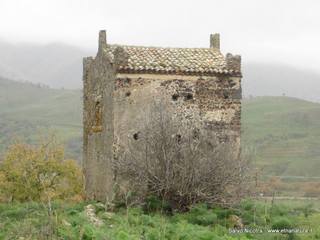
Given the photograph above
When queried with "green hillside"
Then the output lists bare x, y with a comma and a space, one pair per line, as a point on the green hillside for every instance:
282, 133
28, 111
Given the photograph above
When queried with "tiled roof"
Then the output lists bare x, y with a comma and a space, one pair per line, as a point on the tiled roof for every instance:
190, 61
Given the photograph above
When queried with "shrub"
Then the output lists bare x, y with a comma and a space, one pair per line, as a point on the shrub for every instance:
282, 223
39, 173
279, 210
202, 216
247, 205
153, 203
247, 218
179, 161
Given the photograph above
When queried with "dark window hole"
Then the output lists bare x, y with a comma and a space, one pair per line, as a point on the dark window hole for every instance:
178, 137
175, 97
136, 136
189, 96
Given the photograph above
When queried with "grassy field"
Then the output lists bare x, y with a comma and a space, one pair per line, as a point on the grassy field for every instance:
95, 221
281, 133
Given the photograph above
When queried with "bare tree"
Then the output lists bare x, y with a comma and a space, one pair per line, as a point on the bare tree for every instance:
179, 161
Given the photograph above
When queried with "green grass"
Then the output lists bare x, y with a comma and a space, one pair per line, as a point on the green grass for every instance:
69, 221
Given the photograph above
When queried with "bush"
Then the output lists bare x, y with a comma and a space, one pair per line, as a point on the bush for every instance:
280, 210
247, 205
39, 173
202, 216
153, 204
179, 161
282, 223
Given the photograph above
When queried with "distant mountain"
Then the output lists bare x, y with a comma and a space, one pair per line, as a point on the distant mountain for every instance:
265, 79
60, 66
57, 65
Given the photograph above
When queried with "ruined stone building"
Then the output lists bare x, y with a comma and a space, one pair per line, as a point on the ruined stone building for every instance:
121, 80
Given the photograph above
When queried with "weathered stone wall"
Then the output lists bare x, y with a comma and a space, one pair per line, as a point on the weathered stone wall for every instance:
98, 80
115, 104
215, 101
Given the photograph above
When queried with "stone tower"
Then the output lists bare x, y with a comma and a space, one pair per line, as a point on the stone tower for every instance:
121, 80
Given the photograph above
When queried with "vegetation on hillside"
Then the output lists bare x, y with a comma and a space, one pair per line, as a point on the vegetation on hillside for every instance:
282, 134
39, 173
28, 110
96, 221
43, 195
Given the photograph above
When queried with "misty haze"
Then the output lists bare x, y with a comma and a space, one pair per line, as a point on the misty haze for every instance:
277, 40
183, 120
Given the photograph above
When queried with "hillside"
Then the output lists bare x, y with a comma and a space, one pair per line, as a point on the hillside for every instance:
282, 133
28, 111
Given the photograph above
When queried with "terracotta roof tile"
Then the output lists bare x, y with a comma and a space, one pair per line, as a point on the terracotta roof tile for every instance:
192, 61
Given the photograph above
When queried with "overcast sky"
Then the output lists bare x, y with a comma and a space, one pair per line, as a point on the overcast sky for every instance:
260, 30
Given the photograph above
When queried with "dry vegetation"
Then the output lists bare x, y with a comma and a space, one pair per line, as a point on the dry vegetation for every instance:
175, 161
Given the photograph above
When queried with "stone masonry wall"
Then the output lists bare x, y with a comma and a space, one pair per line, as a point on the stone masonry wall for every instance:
213, 100
114, 104
98, 80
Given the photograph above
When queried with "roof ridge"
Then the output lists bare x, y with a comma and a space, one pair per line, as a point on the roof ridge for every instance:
157, 47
